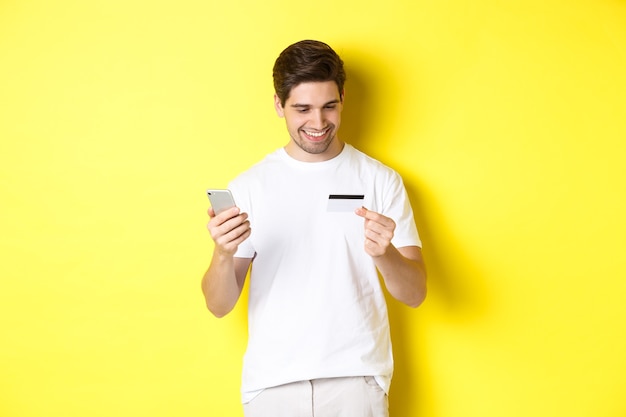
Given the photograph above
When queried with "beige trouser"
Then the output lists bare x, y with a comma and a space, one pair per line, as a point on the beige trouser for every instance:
332, 397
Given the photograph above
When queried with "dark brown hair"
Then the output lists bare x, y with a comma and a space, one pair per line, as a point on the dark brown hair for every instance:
306, 61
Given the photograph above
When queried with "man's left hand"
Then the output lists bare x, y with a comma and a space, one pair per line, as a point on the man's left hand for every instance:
378, 231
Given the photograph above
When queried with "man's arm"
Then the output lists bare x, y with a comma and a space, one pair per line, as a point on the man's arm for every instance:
223, 281
402, 269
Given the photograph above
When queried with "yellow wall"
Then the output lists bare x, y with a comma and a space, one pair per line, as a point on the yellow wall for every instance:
506, 119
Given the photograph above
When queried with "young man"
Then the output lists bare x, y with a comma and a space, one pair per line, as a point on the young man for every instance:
317, 220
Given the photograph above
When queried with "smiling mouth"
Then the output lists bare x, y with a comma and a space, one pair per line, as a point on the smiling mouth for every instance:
315, 134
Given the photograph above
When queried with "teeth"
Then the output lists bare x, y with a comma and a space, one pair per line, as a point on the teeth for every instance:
315, 134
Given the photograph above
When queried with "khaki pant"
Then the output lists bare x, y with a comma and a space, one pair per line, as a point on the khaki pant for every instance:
332, 397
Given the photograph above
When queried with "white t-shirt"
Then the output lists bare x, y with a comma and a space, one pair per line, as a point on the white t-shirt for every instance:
316, 308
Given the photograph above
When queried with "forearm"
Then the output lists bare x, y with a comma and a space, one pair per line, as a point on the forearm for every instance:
220, 285
404, 274
223, 281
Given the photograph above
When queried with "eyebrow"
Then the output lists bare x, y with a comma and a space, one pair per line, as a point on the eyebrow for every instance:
301, 106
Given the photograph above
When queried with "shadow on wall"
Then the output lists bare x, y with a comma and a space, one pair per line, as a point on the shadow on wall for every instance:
366, 92
455, 291
452, 283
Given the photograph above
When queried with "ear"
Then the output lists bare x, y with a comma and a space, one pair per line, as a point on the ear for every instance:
279, 107
342, 95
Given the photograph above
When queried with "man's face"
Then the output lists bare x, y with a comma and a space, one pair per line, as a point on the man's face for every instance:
313, 115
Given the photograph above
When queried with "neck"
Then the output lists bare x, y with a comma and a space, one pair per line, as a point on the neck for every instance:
299, 154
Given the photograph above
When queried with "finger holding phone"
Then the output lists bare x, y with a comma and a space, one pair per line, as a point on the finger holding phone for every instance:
227, 225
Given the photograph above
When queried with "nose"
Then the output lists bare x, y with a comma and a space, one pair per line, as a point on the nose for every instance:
317, 119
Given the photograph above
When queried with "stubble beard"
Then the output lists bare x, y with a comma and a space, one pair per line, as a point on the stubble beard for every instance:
315, 148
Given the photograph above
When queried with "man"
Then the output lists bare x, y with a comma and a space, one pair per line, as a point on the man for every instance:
319, 342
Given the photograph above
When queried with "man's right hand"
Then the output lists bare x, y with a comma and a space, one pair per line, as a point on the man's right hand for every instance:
223, 281
228, 229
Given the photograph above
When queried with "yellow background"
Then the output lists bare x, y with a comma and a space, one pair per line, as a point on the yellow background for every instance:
506, 119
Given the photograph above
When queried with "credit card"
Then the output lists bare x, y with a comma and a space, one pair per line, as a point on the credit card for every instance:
344, 202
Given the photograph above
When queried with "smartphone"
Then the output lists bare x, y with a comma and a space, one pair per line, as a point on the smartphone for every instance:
220, 200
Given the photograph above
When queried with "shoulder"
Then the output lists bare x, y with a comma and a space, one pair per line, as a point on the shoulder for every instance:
256, 172
367, 163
